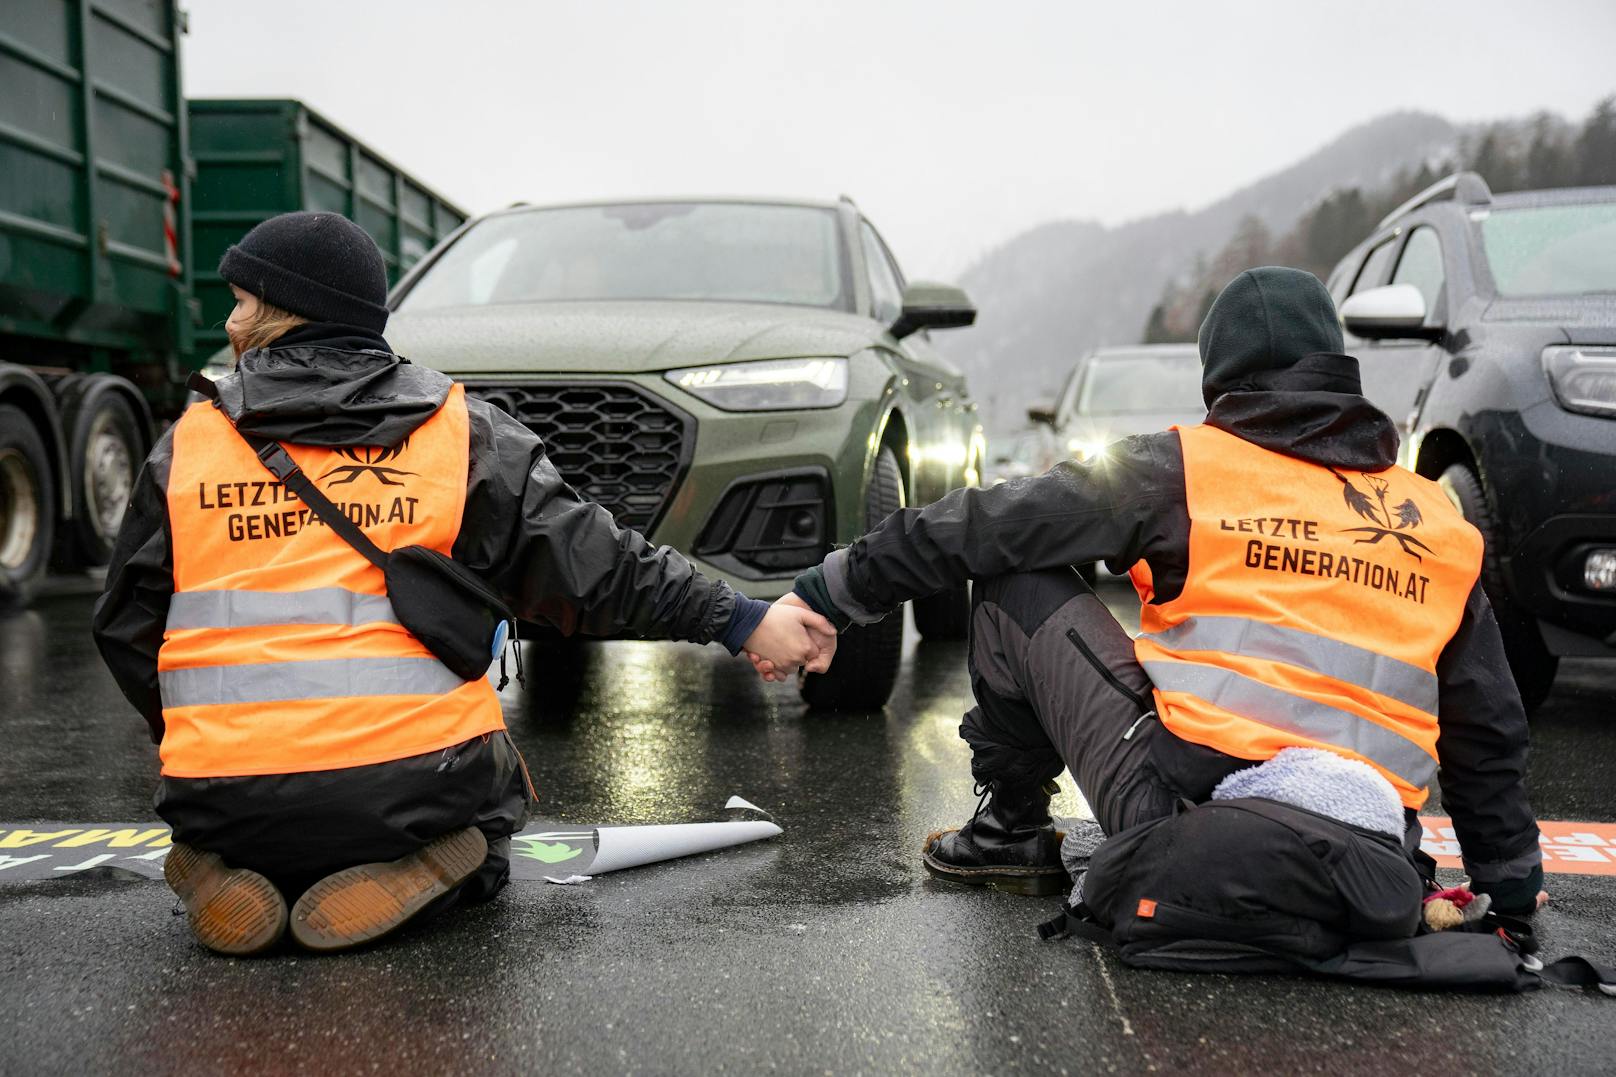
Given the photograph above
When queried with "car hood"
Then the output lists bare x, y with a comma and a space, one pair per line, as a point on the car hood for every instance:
1109, 428
620, 337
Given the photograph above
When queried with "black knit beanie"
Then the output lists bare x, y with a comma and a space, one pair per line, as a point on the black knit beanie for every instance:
320, 266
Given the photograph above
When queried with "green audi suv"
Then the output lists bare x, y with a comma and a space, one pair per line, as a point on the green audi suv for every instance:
749, 381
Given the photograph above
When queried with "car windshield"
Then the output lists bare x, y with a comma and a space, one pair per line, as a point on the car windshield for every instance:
749, 253
1552, 250
1120, 384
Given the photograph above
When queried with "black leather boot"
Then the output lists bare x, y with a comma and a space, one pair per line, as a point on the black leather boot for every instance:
1010, 844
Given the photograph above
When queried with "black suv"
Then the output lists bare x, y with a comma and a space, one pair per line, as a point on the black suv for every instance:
1486, 328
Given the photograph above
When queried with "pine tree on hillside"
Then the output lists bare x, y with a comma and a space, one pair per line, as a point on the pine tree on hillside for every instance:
1156, 331
1549, 159
1596, 146
1494, 162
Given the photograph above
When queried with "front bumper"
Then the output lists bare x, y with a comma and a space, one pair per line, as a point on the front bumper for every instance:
1552, 479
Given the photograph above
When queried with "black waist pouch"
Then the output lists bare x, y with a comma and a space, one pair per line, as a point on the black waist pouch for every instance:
442, 603
447, 608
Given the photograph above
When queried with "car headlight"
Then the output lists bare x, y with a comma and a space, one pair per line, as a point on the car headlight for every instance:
773, 385
1085, 450
1583, 379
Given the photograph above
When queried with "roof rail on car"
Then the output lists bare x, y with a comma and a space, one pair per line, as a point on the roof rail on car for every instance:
1466, 188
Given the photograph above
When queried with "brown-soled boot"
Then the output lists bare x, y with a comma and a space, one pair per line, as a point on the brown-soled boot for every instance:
230, 910
1010, 844
361, 904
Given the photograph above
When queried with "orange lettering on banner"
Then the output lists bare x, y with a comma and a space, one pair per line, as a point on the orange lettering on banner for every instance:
1568, 848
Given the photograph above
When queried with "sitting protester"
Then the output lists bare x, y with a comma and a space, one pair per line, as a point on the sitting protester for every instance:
312, 746
1298, 590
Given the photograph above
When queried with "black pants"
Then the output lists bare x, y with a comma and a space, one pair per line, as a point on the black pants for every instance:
1056, 684
298, 828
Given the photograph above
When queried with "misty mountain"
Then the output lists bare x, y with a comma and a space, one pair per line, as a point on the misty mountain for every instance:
1051, 293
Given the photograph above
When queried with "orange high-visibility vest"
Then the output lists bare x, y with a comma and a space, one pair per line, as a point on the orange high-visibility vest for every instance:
282, 653
1317, 604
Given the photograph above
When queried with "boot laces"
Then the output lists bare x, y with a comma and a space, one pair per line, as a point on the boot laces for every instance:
983, 790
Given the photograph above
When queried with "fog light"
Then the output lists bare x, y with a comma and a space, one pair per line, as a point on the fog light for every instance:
1599, 571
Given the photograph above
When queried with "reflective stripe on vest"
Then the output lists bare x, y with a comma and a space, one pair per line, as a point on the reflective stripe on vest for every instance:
328, 678
242, 609
1339, 661
1280, 710
1317, 603
282, 653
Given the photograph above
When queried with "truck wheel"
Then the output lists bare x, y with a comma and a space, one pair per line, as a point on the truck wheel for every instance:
866, 664
1529, 661
945, 615
27, 505
106, 451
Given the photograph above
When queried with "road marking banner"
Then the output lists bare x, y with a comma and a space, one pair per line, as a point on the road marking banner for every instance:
1568, 848
32, 851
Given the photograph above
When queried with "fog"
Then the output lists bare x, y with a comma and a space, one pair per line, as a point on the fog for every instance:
954, 125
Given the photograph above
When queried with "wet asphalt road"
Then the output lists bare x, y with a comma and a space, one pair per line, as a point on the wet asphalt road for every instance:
828, 950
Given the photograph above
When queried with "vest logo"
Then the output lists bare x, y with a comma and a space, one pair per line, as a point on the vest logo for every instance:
367, 459
1396, 522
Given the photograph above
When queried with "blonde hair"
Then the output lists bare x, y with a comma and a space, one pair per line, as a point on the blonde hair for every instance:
267, 324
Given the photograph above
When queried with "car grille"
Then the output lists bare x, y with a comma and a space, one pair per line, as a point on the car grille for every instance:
614, 443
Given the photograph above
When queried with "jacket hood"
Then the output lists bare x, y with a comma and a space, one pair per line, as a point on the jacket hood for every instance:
1272, 372
622, 337
311, 393
1266, 320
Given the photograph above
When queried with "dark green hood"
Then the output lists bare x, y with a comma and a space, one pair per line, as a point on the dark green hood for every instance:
1266, 322
1272, 373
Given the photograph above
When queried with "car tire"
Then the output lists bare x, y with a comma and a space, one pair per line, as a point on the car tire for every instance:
945, 615
105, 451
1529, 660
867, 656
27, 506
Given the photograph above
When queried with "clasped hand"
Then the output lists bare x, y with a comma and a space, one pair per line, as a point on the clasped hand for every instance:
791, 634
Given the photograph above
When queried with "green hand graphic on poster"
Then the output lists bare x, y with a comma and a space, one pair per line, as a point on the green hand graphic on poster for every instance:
547, 852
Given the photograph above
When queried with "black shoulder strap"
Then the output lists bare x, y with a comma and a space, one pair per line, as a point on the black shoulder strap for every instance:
1578, 971
1075, 920
273, 455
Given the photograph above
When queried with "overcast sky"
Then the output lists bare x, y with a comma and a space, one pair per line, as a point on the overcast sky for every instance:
953, 124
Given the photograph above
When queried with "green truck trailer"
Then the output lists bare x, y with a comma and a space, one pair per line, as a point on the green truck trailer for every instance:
117, 197
255, 159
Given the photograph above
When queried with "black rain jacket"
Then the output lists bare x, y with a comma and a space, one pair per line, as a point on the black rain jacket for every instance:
1272, 375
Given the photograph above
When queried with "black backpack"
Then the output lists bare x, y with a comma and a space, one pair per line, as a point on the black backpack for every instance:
1254, 885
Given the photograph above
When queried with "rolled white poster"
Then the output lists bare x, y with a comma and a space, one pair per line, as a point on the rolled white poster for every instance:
619, 847
576, 854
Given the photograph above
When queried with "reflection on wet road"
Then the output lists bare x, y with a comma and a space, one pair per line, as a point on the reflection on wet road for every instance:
828, 949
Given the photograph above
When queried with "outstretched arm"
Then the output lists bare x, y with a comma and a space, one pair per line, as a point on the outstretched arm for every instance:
1115, 508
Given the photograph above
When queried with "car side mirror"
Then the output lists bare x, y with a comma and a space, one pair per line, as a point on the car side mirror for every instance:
928, 305
1389, 312
1042, 413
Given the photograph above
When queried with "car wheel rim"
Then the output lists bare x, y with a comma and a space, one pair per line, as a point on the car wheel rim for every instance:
19, 509
109, 475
